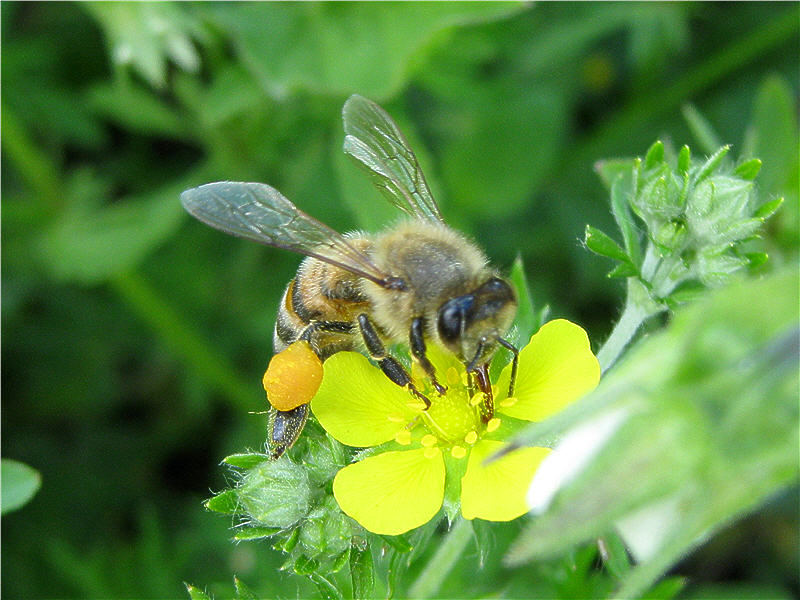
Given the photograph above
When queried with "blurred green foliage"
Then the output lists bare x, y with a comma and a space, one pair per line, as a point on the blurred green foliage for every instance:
134, 339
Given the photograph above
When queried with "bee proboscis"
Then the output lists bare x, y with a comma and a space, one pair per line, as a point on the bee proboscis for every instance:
418, 281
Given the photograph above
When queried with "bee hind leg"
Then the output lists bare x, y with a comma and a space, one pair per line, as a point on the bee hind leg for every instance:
284, 428
390, 366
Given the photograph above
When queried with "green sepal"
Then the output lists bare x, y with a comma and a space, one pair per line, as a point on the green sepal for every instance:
766, 210
756, 259
600, 243
255, 533
685, 292
748, 169
362, 571
195, 593
614, 555
399, 543
242, 591
326, 589
303, 565
711, 164
622, 270
455, 469
226, 502
526, 323
654, 156
246, 460
290, 542
621, 191
684, 160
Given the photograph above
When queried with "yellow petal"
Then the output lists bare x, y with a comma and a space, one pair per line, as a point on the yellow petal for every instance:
496, 492
392, 492
556, 368
357, 404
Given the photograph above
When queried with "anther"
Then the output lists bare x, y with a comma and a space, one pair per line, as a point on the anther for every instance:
403, 437
431, 452
493, 424
471, 437
476, 399
508, 402
396, 418
458, 452
428, 440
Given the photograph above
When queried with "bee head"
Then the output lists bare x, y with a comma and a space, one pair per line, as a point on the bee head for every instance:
469, 325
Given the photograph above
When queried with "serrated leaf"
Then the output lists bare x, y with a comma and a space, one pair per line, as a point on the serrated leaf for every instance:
341, 41
242, 591
362, 572
19, 484
226, 503
255, 533
654, 156
748, 169
600, 243
195, 593
246, 460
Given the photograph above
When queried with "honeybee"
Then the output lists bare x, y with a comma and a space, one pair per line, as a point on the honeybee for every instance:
416, 282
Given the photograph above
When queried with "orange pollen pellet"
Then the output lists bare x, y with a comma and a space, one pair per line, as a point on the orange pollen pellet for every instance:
293, 376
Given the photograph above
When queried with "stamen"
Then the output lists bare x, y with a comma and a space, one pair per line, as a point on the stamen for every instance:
476, 399
458, 452
403, 437
396, 418
493, 424
428, 440
509, 402
416, 405
452, 376
431, 452
471, 437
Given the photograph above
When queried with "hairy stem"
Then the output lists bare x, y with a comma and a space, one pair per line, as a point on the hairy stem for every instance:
441, 563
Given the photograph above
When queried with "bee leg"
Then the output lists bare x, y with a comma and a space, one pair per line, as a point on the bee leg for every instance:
514, 364
390, 366
285, 427
417, 344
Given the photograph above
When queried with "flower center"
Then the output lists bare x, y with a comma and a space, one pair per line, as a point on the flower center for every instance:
451, 417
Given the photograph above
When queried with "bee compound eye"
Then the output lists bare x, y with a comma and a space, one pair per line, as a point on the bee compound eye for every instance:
453, 315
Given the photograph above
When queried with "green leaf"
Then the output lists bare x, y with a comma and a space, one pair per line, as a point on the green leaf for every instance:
599, 243
399, 543
226, 503
527, 322
242, 591
303, 565
195, 593
701, 129
667, 588
345, 50
20, 484
720, 383
148, 35
362, 573
246, 460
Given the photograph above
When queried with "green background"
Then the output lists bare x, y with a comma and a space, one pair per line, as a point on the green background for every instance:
134, 338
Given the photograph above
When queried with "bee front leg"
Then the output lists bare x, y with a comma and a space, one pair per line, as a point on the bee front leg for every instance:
417, 344
390, 366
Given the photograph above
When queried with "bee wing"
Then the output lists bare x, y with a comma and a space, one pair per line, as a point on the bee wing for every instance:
261, 213
373, 139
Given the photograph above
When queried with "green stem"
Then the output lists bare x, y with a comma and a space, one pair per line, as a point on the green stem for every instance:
632, 318
441, 563
184, 339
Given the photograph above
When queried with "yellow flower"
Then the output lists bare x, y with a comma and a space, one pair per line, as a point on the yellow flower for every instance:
444, 447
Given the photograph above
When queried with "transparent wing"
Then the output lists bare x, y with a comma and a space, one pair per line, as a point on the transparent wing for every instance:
374, 141
261, 213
